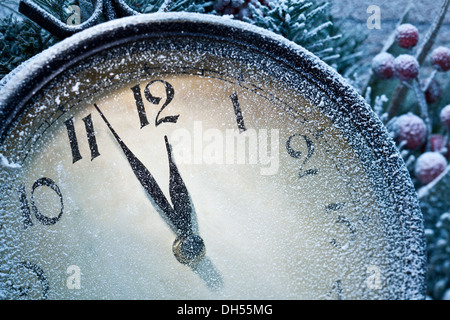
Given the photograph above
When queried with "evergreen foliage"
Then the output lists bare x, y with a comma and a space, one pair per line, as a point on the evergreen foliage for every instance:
20, 39
309, 24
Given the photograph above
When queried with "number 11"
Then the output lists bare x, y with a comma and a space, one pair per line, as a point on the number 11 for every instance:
76, 155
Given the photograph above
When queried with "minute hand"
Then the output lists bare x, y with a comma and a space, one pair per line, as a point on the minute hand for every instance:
179, 195
146, 179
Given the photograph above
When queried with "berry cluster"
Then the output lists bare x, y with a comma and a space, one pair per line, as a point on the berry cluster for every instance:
412, 132
238, 8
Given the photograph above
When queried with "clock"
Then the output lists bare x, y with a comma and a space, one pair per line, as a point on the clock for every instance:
188, 156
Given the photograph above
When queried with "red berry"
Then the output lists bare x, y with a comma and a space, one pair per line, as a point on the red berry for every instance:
238, 8
433, 92
406, 35
437, 142
383, 65
410, 130
440, 58
406, 67
429, 165
445, 116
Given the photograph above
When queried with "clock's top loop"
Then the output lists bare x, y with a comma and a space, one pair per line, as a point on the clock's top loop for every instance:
111, 9
55, 26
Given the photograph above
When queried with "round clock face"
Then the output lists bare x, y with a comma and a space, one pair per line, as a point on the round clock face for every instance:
200, 164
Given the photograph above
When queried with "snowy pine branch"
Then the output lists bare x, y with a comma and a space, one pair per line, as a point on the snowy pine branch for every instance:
309, 24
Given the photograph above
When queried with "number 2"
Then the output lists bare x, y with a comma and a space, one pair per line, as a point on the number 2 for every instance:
297, 154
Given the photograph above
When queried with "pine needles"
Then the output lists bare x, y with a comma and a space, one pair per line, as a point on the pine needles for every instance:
310, 25
19, 41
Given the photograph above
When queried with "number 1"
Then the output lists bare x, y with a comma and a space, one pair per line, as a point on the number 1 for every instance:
238, 112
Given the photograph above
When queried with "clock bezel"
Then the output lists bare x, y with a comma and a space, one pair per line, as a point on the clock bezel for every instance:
20, 86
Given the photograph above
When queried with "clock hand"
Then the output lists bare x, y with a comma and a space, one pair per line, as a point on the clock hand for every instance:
195, 250
179, 195
188, 248
143, 175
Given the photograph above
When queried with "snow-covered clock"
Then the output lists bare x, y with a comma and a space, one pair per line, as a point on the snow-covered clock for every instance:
188, 156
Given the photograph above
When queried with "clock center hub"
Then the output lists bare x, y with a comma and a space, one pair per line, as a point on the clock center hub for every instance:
189, 249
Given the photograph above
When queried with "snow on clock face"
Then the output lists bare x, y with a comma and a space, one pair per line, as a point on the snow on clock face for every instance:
177, 156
